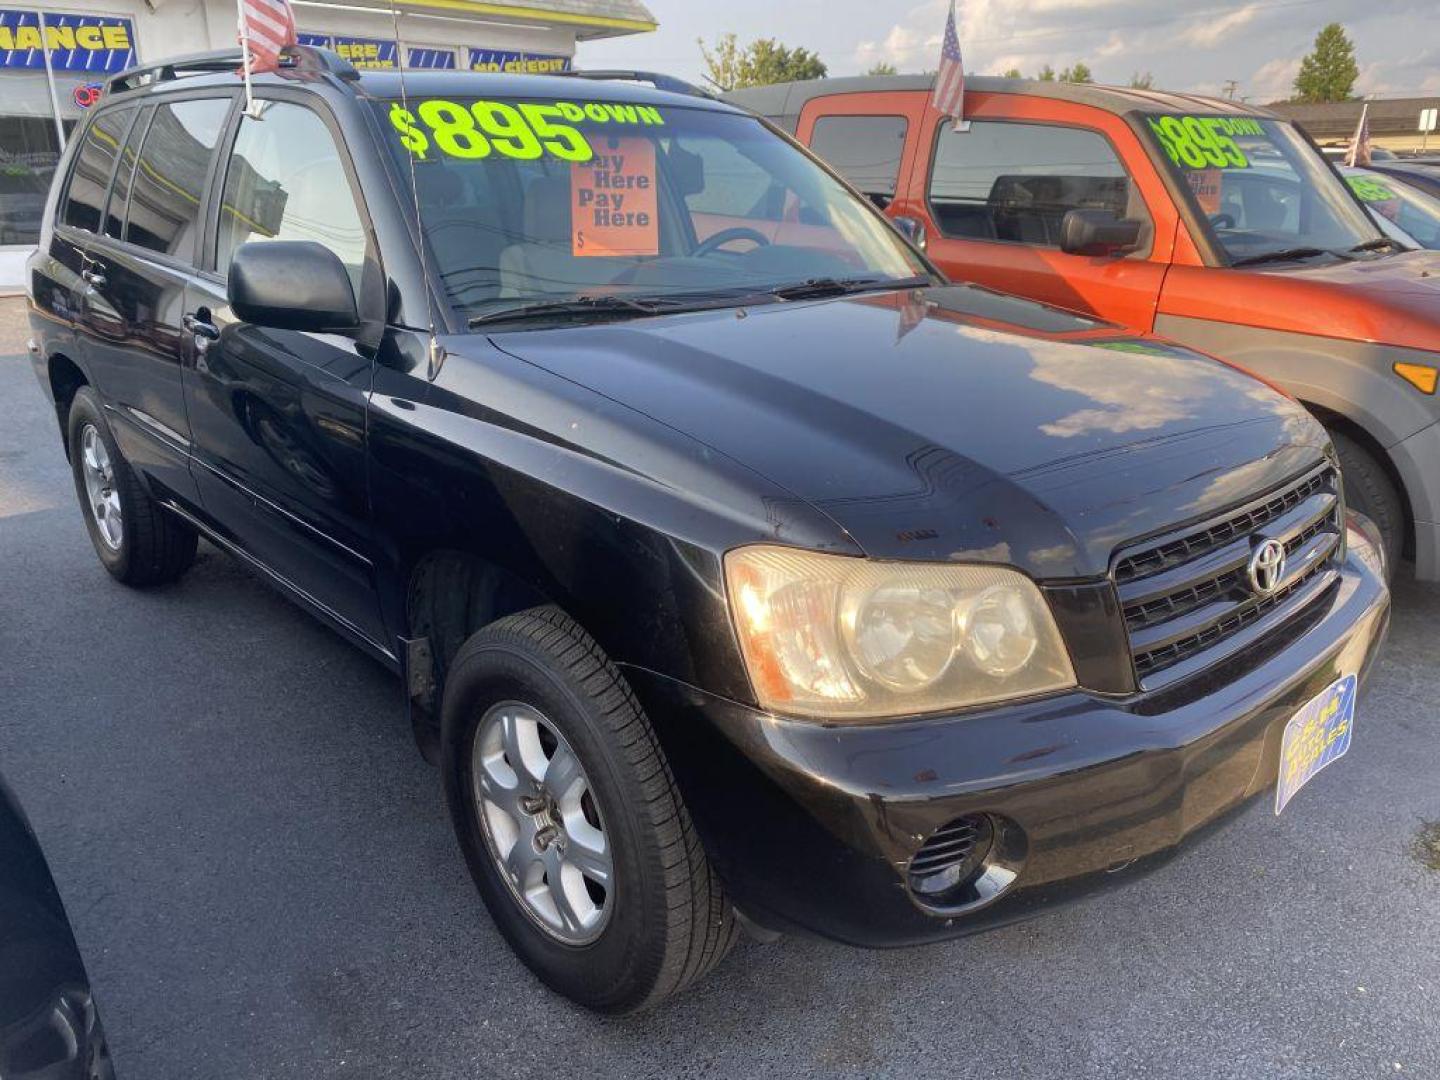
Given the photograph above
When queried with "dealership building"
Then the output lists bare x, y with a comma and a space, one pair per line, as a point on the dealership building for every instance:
55, 54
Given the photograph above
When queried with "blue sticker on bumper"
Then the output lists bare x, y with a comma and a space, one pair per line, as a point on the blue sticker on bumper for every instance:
1315, 736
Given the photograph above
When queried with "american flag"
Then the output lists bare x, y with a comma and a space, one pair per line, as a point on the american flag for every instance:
950, 81
1360, 145
267, 26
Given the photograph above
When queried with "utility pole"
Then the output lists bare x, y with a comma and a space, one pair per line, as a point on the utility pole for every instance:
1231, 88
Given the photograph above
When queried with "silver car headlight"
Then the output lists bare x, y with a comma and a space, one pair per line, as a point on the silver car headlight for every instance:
835, 637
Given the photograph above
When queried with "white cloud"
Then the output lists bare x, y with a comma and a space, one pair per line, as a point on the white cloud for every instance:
1206, 35
1273, 80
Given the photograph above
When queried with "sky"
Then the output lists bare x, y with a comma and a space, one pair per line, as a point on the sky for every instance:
1196, 46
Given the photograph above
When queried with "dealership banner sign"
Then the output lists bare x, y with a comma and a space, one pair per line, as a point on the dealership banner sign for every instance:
378, 53
98, 44
517, 63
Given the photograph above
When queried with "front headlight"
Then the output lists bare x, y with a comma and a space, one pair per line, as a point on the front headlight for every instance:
835, 637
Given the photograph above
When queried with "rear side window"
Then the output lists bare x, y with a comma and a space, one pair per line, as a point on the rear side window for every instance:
94, 164
120, 192
169, 183
866, 150
1016, 182
285, 181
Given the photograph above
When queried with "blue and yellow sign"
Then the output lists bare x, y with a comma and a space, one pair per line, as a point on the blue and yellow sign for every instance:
367, 52
97, 44
427, 59
517, 63
1315, 736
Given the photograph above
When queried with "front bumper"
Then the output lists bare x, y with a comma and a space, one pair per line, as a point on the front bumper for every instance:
812, 827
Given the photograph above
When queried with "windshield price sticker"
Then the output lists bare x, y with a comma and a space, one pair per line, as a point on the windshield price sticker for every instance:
1201, 142
613, 205
1368, 190
524, 131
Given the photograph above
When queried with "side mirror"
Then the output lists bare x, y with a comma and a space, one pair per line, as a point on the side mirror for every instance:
913, 229
1098, 232
292, 285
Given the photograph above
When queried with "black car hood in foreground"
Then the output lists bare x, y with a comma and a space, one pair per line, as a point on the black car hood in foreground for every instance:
952, 423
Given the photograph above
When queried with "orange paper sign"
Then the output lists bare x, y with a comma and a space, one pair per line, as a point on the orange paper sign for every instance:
612, 199
1205, 183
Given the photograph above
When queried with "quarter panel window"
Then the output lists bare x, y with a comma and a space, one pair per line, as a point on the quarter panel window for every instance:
169, 185
94, 163
1015, 182
120, 191
866, 150
286, 181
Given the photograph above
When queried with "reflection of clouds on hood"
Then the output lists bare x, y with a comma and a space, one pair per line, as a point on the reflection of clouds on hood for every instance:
1139, 391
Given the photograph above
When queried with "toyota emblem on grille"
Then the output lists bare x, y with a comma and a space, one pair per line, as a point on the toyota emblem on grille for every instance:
1267, 567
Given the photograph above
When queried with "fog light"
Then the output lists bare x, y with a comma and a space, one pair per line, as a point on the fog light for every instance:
966, 863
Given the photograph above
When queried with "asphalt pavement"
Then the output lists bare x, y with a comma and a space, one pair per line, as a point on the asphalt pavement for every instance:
264, 883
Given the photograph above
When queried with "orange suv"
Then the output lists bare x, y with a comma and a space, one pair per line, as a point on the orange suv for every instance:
1211, 223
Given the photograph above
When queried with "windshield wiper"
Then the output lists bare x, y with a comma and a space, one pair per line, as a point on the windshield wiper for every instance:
1282, 255
1380, 242
610, 305
819, 287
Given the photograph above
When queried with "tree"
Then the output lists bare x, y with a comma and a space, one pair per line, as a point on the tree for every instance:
884, 67
1329, 72
762, 62
1080, 73
1047, 74
1012, 73
1140, 81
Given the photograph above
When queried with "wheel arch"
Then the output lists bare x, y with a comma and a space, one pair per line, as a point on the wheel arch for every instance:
1338, 421
66, 379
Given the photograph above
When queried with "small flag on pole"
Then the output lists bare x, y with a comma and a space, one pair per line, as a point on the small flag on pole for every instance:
949, 96
1360, 145
266, 27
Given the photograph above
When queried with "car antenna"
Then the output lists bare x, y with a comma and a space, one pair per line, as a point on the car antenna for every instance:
437, 351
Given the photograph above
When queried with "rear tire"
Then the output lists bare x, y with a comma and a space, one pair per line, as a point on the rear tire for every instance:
667, 921
1369, 489
138, 541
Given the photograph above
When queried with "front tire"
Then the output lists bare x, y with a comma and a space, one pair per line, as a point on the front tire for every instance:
1369, 489
138, 541
544, 747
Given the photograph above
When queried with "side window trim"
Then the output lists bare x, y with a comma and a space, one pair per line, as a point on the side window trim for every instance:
63, 209
1142, 253
209, 263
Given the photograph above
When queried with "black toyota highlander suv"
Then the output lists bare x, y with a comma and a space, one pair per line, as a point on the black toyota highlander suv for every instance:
738, 570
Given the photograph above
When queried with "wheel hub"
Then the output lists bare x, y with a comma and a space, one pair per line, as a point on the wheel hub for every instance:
542, 823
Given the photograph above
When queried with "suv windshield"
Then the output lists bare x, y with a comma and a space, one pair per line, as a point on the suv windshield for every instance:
1264, 190
527, 202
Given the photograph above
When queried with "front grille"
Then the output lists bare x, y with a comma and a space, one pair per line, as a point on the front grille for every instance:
1187, 594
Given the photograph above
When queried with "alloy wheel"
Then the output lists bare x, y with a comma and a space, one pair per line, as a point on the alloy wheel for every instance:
100, 488
542, 823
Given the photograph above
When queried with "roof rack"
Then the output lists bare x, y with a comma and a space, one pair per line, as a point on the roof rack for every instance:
668, 83
294, 58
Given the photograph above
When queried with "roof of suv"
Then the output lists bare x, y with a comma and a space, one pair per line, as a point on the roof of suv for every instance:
787, 99
219, 69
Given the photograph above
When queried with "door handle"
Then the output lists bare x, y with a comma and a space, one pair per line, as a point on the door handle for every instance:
94, 276
200, 328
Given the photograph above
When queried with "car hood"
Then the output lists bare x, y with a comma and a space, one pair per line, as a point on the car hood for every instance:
952, 423
1393, 300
